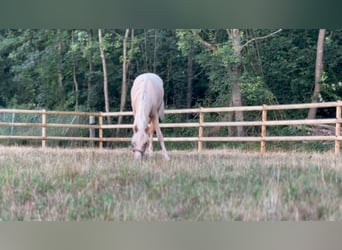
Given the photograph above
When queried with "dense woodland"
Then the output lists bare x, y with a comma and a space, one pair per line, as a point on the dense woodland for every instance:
93, 70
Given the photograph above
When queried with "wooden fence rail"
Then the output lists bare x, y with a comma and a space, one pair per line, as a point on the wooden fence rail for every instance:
200, 125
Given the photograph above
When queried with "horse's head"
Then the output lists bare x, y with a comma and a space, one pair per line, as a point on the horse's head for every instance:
140, 141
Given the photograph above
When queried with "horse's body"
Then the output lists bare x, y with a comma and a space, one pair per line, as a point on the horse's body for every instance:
147, 96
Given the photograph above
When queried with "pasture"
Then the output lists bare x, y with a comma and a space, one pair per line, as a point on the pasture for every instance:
55, 184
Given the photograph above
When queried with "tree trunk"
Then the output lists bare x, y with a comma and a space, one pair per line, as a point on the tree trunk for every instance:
155, 52
146, 64
90, 67
59, 68
105, 77
125, 64
318, 72
74, 66
75, 85
235, 72
190, 78
229, 117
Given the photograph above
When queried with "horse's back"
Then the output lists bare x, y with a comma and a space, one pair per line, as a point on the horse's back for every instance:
150, 81
150, 85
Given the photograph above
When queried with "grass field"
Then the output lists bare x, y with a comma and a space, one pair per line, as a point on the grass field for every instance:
94, 185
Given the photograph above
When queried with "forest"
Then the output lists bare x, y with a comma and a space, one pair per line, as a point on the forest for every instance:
93, 69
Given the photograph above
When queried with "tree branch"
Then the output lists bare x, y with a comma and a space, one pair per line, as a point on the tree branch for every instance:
259, 38
203, 42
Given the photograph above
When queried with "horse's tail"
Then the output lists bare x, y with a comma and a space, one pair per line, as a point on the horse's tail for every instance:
161, 111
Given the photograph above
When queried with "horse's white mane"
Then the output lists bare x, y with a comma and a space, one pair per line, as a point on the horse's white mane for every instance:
140, 113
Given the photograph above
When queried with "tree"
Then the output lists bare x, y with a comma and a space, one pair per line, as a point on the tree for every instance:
190, 69
228, 51
105, 75
125, 65
318, 72
90, 69
235, 73
59, 63
235, 70
74, 68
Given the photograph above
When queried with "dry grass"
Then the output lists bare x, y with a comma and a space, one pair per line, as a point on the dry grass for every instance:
89, 184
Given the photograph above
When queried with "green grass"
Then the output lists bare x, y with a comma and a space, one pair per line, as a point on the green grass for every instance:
94, 185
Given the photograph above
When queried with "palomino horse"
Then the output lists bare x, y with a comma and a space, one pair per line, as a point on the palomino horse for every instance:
147, 96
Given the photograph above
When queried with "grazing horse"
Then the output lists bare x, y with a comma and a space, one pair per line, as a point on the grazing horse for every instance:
147, 101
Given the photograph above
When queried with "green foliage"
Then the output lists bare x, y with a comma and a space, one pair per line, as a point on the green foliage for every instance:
288, 61
254, 90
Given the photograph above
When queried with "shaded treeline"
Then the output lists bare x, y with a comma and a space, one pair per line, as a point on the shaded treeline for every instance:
92, 70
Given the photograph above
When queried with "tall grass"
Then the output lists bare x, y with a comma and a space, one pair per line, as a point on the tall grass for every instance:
90, 184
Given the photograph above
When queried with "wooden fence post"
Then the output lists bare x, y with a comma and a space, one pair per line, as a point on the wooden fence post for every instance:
263, 130
92, 121
13, 119
43, 128
200, 130
100, 131
338, 127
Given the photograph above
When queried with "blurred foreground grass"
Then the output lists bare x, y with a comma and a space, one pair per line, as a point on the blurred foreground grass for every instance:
96, 185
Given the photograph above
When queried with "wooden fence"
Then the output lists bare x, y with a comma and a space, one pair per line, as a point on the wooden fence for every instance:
200, 125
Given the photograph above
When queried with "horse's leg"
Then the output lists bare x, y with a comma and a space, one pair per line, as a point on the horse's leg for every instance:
150, 144
160, 137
